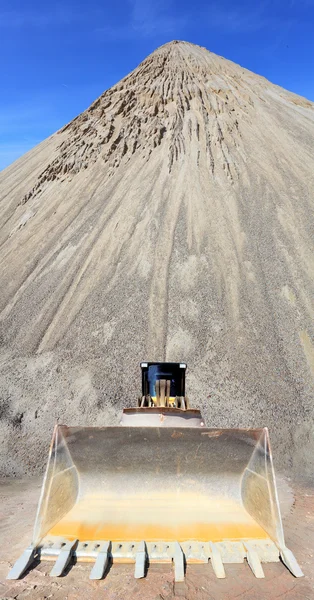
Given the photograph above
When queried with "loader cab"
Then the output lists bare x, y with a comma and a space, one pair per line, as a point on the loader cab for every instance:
163, 383
173, 372
163, 402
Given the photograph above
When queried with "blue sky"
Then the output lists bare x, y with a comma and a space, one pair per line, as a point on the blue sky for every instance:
57, 57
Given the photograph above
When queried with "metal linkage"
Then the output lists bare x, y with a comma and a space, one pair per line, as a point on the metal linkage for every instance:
196, 552
255, 552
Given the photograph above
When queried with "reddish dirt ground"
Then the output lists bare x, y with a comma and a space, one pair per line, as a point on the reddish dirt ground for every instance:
18, 501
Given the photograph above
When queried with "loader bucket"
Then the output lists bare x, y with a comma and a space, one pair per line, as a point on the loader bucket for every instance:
164, 494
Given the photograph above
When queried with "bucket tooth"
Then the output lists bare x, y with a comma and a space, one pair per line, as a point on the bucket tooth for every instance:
63, 559
140, 561
217, 561
101, 562
254, 561
178, 559
289, 560
22, 563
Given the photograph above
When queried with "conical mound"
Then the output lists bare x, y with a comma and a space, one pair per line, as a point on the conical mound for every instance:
172, 220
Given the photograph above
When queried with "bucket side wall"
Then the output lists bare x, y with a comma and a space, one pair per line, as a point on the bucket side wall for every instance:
60, 487
259, 491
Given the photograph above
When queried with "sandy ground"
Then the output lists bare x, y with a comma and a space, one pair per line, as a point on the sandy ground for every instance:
18, 505
174, 219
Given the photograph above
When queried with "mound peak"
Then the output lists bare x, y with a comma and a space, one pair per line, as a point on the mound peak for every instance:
158, 102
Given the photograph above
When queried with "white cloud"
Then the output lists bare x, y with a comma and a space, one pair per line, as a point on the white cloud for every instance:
146, 18
149, 17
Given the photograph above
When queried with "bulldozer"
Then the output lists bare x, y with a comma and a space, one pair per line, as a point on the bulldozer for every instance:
160, 487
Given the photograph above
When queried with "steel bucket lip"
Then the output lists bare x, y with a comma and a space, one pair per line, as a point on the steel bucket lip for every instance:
247, 432
222, 429
162, 410
248, 435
